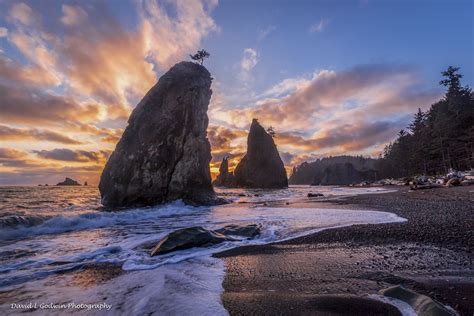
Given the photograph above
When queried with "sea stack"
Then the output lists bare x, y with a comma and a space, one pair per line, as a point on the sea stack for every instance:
225, 178
261, 167
68, 181
164, 152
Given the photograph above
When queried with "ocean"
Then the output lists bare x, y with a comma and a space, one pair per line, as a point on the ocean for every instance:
48, 232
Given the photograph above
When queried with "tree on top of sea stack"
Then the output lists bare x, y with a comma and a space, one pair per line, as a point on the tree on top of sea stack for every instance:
164, 154
200, 56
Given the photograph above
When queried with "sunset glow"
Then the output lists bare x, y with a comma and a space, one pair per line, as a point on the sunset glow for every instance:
71, 72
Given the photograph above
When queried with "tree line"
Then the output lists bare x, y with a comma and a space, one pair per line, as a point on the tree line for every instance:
438, 139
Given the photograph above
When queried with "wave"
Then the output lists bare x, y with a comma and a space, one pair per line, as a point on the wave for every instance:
14, 227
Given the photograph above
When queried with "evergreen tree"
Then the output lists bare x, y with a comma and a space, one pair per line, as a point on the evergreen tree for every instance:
439, 139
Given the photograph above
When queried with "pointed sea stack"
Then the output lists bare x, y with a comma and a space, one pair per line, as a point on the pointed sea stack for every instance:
225, 178
164, 153
261, 167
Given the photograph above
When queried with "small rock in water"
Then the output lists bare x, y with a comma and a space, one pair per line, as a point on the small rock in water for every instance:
68, 181
188, 238
200, 237
250, 231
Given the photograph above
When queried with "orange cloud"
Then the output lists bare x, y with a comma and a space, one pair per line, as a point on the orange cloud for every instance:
64, 154
11, 153
81, 74
29, 106
23, 134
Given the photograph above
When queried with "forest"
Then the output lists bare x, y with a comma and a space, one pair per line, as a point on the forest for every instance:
436, 140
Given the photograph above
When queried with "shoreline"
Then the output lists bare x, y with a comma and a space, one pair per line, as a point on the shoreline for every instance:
332, 270
431, 253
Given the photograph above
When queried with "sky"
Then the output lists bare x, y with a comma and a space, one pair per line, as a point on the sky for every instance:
331, 77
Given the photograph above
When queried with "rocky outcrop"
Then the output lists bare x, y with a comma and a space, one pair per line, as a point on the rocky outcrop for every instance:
68, 181
164, 152
313, 172
261, 167
340, 174
344, 174
225, 178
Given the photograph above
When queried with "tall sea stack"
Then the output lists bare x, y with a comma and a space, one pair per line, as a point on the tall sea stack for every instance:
225, 178
164, 152
261, 167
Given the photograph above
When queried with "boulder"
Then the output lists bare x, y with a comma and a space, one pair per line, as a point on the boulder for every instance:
164, 154
261, 167
68, 181
225, 178
422, 304
188, 238
200, 237
249, 231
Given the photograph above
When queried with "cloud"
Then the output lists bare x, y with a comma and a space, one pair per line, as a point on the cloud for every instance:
11, 153
26, 134
64, 154
320, 26
353, 111
263, 33
225, 141
23, 13
73, 15
100, 60
287, 157
168, 39
249, 60
286, 86
82, 71
31, 75
31, 106
379, 87
3, 32
11, 159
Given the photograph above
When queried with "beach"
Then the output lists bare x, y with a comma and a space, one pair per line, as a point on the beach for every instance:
430, 253
316, 255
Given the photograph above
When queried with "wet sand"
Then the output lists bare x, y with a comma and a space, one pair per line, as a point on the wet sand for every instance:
431, 253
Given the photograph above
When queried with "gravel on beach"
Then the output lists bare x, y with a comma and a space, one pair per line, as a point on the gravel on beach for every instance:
430, 253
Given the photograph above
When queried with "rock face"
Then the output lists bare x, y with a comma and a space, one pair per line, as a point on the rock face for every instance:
340, 174
313, 172
344, 174
261, 167
164, 152
68, 181
225, 178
